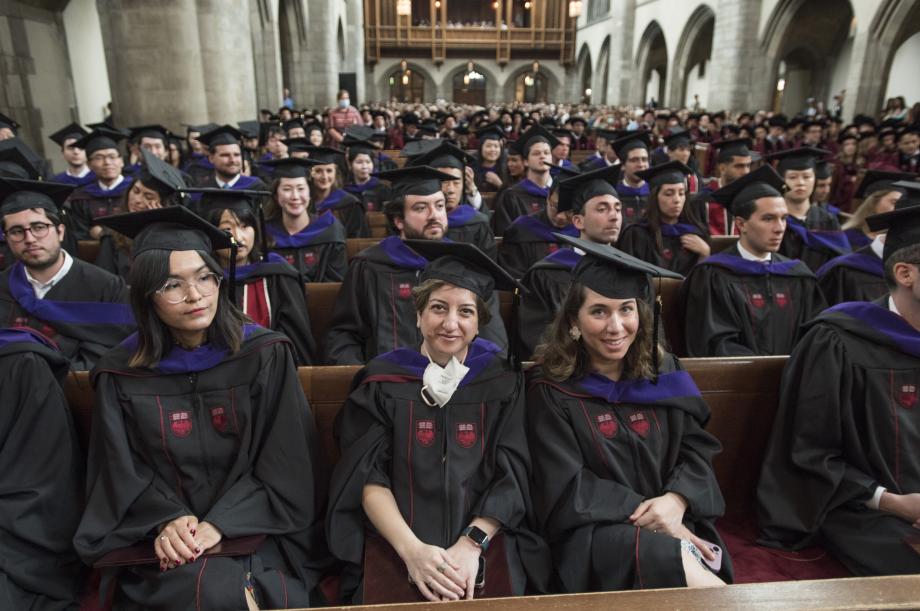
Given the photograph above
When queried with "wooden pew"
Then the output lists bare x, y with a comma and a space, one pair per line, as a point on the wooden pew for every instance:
88, 250
488, 200
672, 317
577, 157
355, 245
377, 221
720, 243
701, 154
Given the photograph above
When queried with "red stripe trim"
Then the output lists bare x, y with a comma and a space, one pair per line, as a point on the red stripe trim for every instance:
409, 462
638, 563
283, 588
198, 585
897, 429
482, 429
166, 451
389, 377
393, 309
236, 424
600, 451
655, 416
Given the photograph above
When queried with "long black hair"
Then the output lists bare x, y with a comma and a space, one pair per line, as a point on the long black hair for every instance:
245, 217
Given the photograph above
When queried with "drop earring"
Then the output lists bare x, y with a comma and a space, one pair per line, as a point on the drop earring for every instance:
575, 333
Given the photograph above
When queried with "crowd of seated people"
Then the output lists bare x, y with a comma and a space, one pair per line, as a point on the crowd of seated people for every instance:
463, 473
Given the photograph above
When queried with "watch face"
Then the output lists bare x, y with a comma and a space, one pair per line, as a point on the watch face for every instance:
477, 535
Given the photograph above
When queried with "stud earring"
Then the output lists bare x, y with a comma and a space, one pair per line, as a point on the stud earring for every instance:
575, 333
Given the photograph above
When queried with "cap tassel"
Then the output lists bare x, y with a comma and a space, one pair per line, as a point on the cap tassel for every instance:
655, 325
233, 250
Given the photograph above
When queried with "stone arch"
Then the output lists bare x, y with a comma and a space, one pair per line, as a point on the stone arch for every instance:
292, 48
693, 49
652, 60
811, 34
383, 85
553, 84
492, 84
263, 18
584, 74
602, 72
895, 22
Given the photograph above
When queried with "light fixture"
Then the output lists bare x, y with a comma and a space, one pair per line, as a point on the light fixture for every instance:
588, 92
575, 9
437, 3
466, 79
528, 80
781, 84
404, 7
405, 79
536, 67
403, 65
496, 4
527, 5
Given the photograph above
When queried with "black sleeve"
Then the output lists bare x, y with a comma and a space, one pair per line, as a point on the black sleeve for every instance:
712, 325
351, 325
637, 241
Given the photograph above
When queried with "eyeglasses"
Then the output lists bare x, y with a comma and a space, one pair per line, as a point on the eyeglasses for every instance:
176, 290
38, 231
109, 157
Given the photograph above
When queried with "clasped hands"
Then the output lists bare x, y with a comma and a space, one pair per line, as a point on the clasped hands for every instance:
443, 574
665, 514
184, 540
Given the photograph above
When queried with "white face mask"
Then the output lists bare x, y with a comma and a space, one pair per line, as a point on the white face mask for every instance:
344, 102
440, 383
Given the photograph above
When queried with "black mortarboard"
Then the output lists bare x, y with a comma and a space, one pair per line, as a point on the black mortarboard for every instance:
234, 199
291, 167
9, 122
463, 265
670, 173
534, 134
64, 134
803, 158
492, 131
358, 134
823, 170
249, 129
847, 135
881, 180
902, 223
736, 147
16, 143
445, 155
429, 126
158, 175
298, 145
171, 228
575, 191
380, 113
419, 147
762, 182
410, 118
149, 131
107, 123
578, 119
414, 180
778, 121
17, 195
910, 129
225, 134
633, 140
608, 134
325, 154
99, 139
677, 138
561, 132
202, 128
13, 164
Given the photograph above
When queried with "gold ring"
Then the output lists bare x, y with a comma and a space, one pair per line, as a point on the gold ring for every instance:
442, 567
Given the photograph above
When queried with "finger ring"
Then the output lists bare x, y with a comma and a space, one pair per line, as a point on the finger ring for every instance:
163, 538
654, 531
442, 567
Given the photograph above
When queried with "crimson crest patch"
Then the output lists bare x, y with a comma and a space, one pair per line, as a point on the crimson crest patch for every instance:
630, 212
405, 290
181, 423
289, 259
466, 434
101, 211
757, 300
607, 425
219, 419
781, 300
552, 247
907, 395
534, 206
424, 432
639, 424
668, 254
309, 258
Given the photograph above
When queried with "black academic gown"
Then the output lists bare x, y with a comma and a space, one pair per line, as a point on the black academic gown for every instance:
42, 477
373, 194
90, 202
466, 224
86, 313
637, 239
816, 241
547, 283
375, 312
112, 259
858, 276
348, 209
229, 439
528, 240
848, 422
317, 252
6, 255
445, 466
599, 449
632, 200
271, 293
735, 307
523, 198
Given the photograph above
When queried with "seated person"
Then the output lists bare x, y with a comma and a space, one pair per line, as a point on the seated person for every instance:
605, 155
490, 171
314, 245
225, 155
77, 172
79, 306
362, 183
373, 312
840, 468
749, 300
41, 489
877, 197
327, 195
105, 195
624, 488
669, 234
201, 436
455, 494
529, 194
592, 200
632, 151
733, 160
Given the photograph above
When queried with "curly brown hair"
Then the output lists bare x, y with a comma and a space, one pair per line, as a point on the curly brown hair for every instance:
563, 358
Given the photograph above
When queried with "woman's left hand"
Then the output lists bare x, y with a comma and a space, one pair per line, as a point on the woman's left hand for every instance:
493, 179
465, 554
695, 243
663, 513
207, 536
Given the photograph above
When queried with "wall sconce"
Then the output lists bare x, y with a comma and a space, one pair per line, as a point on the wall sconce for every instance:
575, 9
404, 8
527, 5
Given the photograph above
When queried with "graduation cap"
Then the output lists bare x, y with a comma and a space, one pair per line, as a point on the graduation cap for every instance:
670, 173
358, 133
762, 182
238, 201
74, 130
17, 195
297, 145
561, 132
463, 265
380, 113
325, 154
16, 143
847, 135
578, 119
803, 158
414, 180
736, 147
633, 140
149, 131
445, 155
617, 275
429, 126
823, 170
778, 121
107, 123
535, 133
292, 124
13, 164
291, 167
677, 138
419, 147
158, 175
8, 122
881, 180
249, 129
574, 192
902, 223
910, 129
608, 134
224, 134
492, 131
100, 139
410, 118
202, 128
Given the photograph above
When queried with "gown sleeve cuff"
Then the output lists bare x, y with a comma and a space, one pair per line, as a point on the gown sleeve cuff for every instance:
873, 503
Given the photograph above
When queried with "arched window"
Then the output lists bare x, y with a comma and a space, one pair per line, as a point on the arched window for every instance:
598, 9
531, 87
407, 85
470, 86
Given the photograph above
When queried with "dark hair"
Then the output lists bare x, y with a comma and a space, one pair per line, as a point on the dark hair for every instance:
422, 293
744, 209
562, 357
149, 272
337, 184
687, 215
353, 154
394, 209
271, 208
53, 217
246, 218
908, 254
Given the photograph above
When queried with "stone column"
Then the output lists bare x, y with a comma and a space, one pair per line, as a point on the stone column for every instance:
320, 57
226, 60
266, 55
735, 81
151, 51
